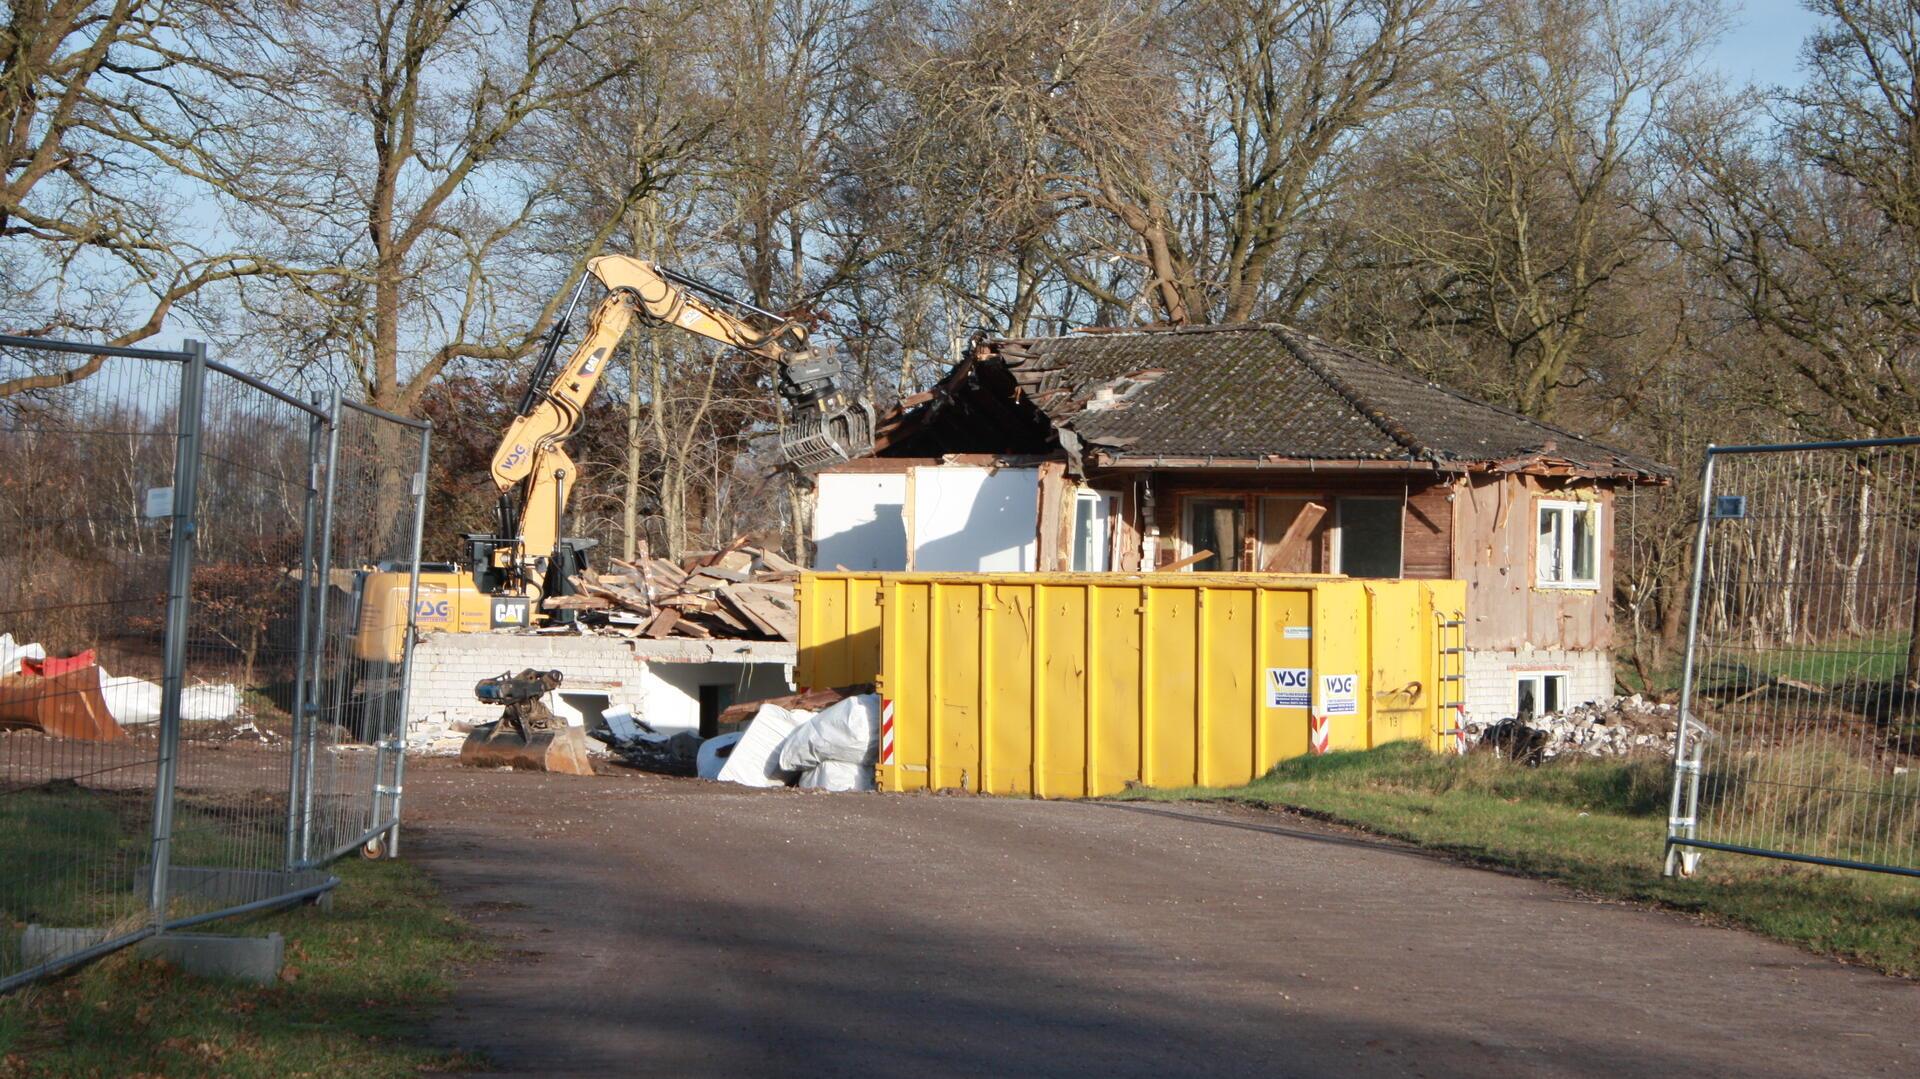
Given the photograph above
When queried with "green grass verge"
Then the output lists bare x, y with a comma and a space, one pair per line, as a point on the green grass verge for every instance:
359, 981
1596, 825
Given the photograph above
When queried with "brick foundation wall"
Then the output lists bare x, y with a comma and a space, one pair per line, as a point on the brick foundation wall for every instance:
1490, 676
665, 674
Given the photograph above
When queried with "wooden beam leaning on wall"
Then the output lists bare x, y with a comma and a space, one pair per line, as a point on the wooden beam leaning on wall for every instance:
1294, 542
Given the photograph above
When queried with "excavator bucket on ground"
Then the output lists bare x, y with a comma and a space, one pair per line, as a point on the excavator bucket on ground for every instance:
528, 737
562, 749
65, 705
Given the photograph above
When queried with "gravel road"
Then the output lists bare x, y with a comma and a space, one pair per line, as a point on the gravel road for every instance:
654, 926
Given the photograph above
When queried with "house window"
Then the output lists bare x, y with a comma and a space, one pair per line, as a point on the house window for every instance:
1218, 525
1369, 544
1093, 514
1540, 693
1568, 548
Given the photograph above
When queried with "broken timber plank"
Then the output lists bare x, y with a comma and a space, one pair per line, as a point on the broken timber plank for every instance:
1197, 556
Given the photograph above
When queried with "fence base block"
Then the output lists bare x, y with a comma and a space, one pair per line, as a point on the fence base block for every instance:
256, 960
214, 887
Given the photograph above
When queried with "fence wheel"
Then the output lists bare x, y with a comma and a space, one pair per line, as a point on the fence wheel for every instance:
374, 849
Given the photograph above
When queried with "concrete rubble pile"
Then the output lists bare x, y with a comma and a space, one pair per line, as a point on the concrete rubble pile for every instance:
1619, 727
740, 592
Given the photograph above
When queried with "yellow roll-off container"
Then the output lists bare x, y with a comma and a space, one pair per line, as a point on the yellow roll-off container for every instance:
1064, 685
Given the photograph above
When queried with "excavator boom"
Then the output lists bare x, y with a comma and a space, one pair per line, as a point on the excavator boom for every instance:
527, 555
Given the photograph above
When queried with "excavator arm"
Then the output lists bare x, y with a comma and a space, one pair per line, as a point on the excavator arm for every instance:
526, 555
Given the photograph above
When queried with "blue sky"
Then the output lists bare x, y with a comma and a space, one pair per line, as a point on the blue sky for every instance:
1763, 45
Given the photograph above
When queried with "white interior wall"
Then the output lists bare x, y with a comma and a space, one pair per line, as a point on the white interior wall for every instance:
670, 692
969, 519
859, 521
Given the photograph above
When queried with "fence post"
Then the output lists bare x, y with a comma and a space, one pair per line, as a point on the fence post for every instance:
186, 473
309, 574
406, 654
323, 580
1683, 808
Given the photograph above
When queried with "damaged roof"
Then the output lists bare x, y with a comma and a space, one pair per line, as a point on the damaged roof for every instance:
1254, 393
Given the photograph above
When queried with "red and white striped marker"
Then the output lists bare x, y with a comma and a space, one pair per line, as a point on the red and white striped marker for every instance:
1317, 734
1460, 744
886, 731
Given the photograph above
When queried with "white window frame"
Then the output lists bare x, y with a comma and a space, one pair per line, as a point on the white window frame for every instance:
1571, 508
1540, 690
1111, 501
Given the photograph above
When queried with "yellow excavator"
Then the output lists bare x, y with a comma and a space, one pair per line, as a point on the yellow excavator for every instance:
508, 572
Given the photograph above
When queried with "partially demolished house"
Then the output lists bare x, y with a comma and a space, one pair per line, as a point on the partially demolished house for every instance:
1251, 448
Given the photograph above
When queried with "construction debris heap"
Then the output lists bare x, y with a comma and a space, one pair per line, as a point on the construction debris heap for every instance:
739, 592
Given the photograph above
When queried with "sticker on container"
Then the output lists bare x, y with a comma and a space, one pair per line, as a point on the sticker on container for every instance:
1299, 633
1289, 687
1339, 695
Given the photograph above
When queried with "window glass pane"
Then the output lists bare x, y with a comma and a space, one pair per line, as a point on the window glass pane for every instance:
1217, 525
1554, 692
1091, 516
1552, 523
1529, 697
1083, 533
1584, 545
1370, 537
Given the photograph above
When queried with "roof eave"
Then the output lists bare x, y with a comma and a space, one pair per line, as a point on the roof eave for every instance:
1271, 462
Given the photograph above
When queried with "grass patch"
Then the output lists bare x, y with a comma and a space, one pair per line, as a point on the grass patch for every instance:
1596, 825
359, 981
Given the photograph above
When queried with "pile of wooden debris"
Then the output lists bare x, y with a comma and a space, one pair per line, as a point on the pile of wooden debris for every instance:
740, 592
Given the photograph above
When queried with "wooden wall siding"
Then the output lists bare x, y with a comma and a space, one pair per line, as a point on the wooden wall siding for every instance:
1494, 524
1426, 544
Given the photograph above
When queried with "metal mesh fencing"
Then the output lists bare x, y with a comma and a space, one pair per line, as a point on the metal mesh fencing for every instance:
163, 567
1801, 692
86, 535
349, 786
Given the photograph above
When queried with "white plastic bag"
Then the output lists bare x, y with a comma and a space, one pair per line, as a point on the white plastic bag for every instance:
755, 761
133, 702
838, 776
846, 733
205, 704
714, 753
12, 655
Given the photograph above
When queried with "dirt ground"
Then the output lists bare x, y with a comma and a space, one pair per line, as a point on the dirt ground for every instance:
667, 927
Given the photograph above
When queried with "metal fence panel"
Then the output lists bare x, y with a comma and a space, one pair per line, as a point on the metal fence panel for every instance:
201, 738
1801, 737
374, 480
83, 566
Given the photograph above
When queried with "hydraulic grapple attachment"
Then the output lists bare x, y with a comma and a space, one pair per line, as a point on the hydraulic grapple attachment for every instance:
528, 737
826, 434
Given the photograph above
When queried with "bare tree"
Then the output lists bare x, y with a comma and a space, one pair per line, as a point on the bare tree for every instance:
110, 118
1511, 226
1812, 230
413, 172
